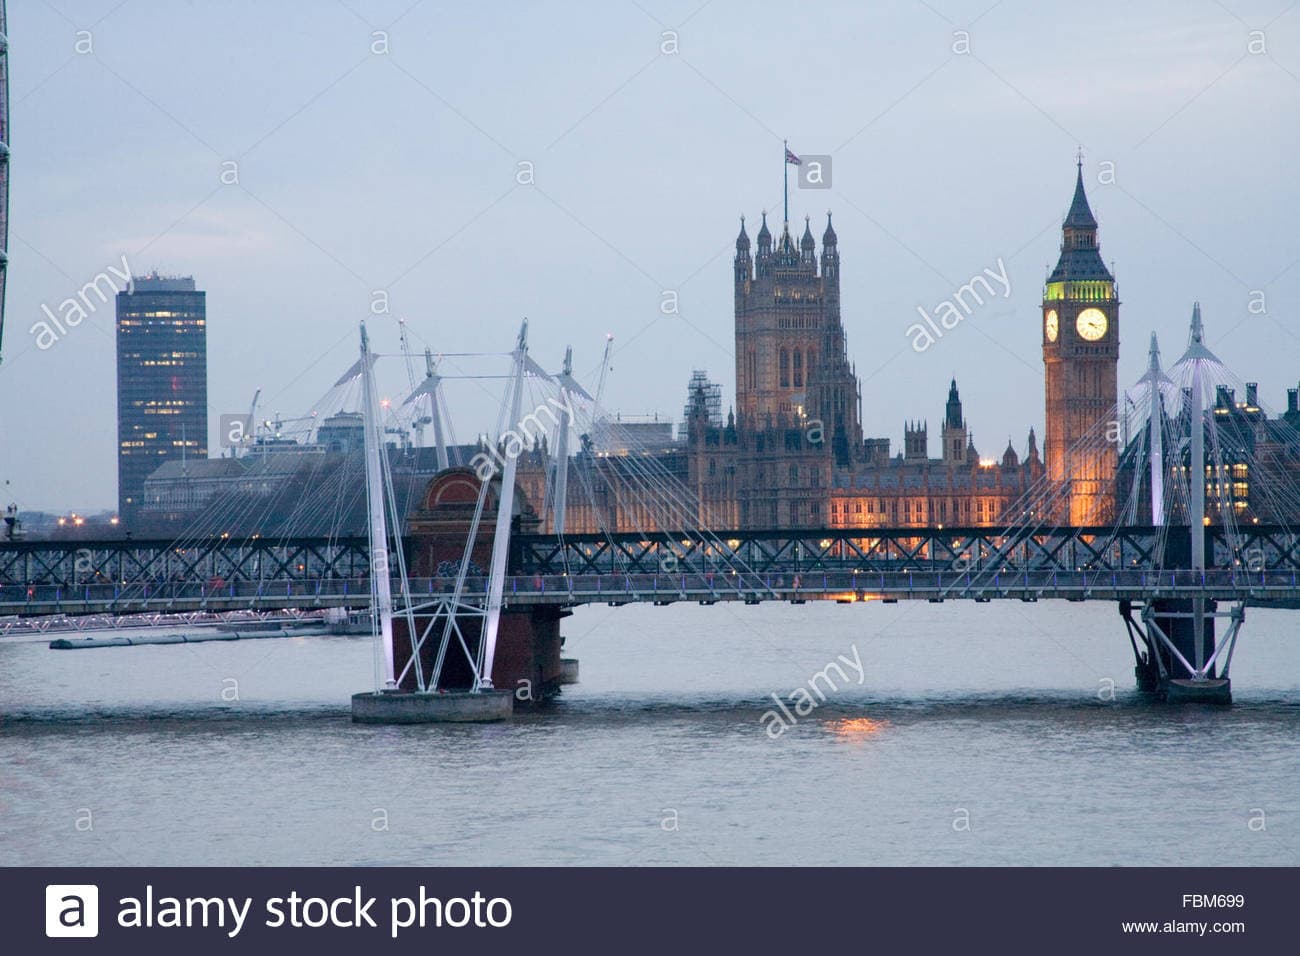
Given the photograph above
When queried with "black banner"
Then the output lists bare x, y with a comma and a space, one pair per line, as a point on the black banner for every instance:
209, 910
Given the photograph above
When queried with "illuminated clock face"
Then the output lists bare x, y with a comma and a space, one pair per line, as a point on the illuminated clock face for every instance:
1052, 325
1091, 324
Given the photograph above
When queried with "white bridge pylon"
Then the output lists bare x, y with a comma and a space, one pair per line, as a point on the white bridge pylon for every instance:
381, 604
1182, 415
559, 483
505, 509
441, 617
445, 613
1156, 382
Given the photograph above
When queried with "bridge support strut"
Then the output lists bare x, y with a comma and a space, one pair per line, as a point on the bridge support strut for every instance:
1169, 664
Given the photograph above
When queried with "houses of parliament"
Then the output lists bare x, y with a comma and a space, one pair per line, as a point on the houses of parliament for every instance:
792, 453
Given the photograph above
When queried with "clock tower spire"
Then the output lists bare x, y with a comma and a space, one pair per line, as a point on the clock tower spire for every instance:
1081, 362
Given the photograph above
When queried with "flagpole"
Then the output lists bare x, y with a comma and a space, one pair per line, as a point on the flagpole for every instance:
785, 172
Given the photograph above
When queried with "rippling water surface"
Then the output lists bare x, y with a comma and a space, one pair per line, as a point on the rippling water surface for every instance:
979, 734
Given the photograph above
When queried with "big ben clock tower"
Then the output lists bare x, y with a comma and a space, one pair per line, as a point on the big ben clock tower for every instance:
1081, 359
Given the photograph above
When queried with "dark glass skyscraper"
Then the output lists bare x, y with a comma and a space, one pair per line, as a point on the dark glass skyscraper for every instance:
162, 381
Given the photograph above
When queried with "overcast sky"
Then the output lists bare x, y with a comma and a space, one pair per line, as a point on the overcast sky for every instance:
397, 170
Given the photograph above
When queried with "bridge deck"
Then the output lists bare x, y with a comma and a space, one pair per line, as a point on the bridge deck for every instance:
572, 590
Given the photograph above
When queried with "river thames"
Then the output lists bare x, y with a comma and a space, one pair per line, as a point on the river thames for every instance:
1003, 734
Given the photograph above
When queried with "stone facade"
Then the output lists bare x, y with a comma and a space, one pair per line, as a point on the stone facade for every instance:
1081, 363
794, 454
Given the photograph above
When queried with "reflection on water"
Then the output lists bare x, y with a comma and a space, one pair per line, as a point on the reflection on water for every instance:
857, 728
991, 709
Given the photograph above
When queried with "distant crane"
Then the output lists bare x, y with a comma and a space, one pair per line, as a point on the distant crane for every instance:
600, 424
418, 423
432, 387
560, 482
275, 427
250, 427
604, 368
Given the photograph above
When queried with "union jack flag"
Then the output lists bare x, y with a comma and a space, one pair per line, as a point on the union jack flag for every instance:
791, 157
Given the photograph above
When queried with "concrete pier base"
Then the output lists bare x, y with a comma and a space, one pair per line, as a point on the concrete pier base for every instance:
1185, 691
1148, 680
527, 656
413, 707
568, 670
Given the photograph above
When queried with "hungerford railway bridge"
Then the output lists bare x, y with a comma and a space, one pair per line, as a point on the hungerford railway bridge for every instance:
466, 594
980, 564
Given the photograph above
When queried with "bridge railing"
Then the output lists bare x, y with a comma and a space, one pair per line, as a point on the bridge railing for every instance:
663, 588
987, 549
266, 562
587, 587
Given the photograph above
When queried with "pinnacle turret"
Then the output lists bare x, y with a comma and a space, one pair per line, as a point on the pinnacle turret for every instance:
828, 237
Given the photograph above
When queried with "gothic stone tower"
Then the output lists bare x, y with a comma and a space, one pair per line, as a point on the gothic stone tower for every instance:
1081, 359
797, 399
956, 435
834, 395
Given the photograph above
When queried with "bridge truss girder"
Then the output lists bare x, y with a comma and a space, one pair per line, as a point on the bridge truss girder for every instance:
981, 553
231, 560
978, 550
